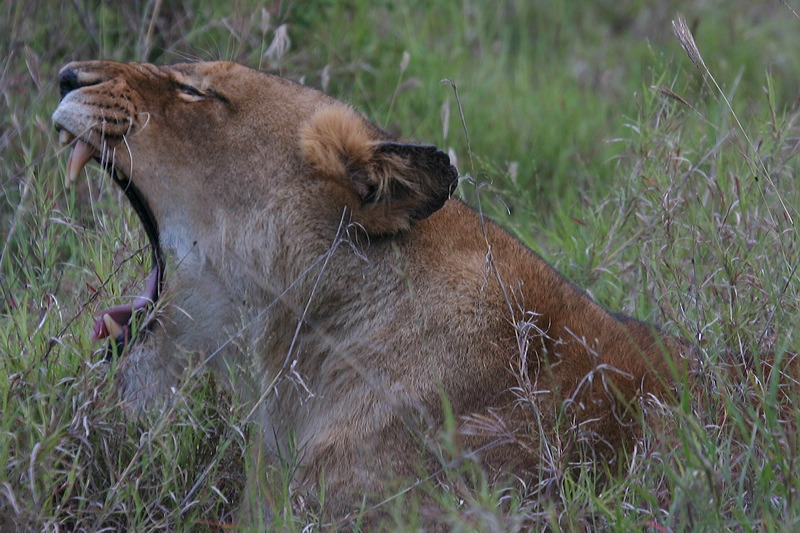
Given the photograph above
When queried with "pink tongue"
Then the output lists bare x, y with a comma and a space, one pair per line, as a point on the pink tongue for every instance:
122, 314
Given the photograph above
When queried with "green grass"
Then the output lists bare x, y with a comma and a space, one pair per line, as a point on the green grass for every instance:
675, 205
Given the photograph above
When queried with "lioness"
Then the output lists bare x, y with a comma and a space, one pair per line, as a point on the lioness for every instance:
324, 268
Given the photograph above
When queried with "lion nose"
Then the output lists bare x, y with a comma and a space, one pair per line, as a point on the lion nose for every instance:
82, 74
67, 81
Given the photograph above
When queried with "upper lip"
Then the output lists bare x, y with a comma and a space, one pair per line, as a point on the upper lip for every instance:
116, 321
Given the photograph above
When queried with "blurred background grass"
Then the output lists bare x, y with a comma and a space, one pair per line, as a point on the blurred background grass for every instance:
593, 138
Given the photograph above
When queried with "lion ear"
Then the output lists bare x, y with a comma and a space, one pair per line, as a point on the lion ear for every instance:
394, 184
401, 184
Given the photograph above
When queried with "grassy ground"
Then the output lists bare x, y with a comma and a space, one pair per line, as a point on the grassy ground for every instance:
668, 190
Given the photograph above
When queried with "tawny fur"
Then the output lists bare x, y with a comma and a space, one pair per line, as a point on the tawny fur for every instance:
322, 265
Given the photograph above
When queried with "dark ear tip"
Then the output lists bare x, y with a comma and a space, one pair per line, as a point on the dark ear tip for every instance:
442, 156
426, 178
428, 154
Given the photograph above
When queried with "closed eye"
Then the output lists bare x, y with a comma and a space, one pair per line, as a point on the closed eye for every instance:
188, 93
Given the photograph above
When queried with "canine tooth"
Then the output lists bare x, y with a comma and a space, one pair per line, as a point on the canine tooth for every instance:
65, 137
112, 326
80, 155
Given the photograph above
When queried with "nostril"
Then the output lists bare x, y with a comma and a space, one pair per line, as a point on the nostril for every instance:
67, 81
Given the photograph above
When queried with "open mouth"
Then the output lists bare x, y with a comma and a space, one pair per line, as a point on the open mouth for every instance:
116, 322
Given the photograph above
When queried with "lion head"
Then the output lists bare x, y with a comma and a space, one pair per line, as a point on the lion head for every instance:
213, 157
